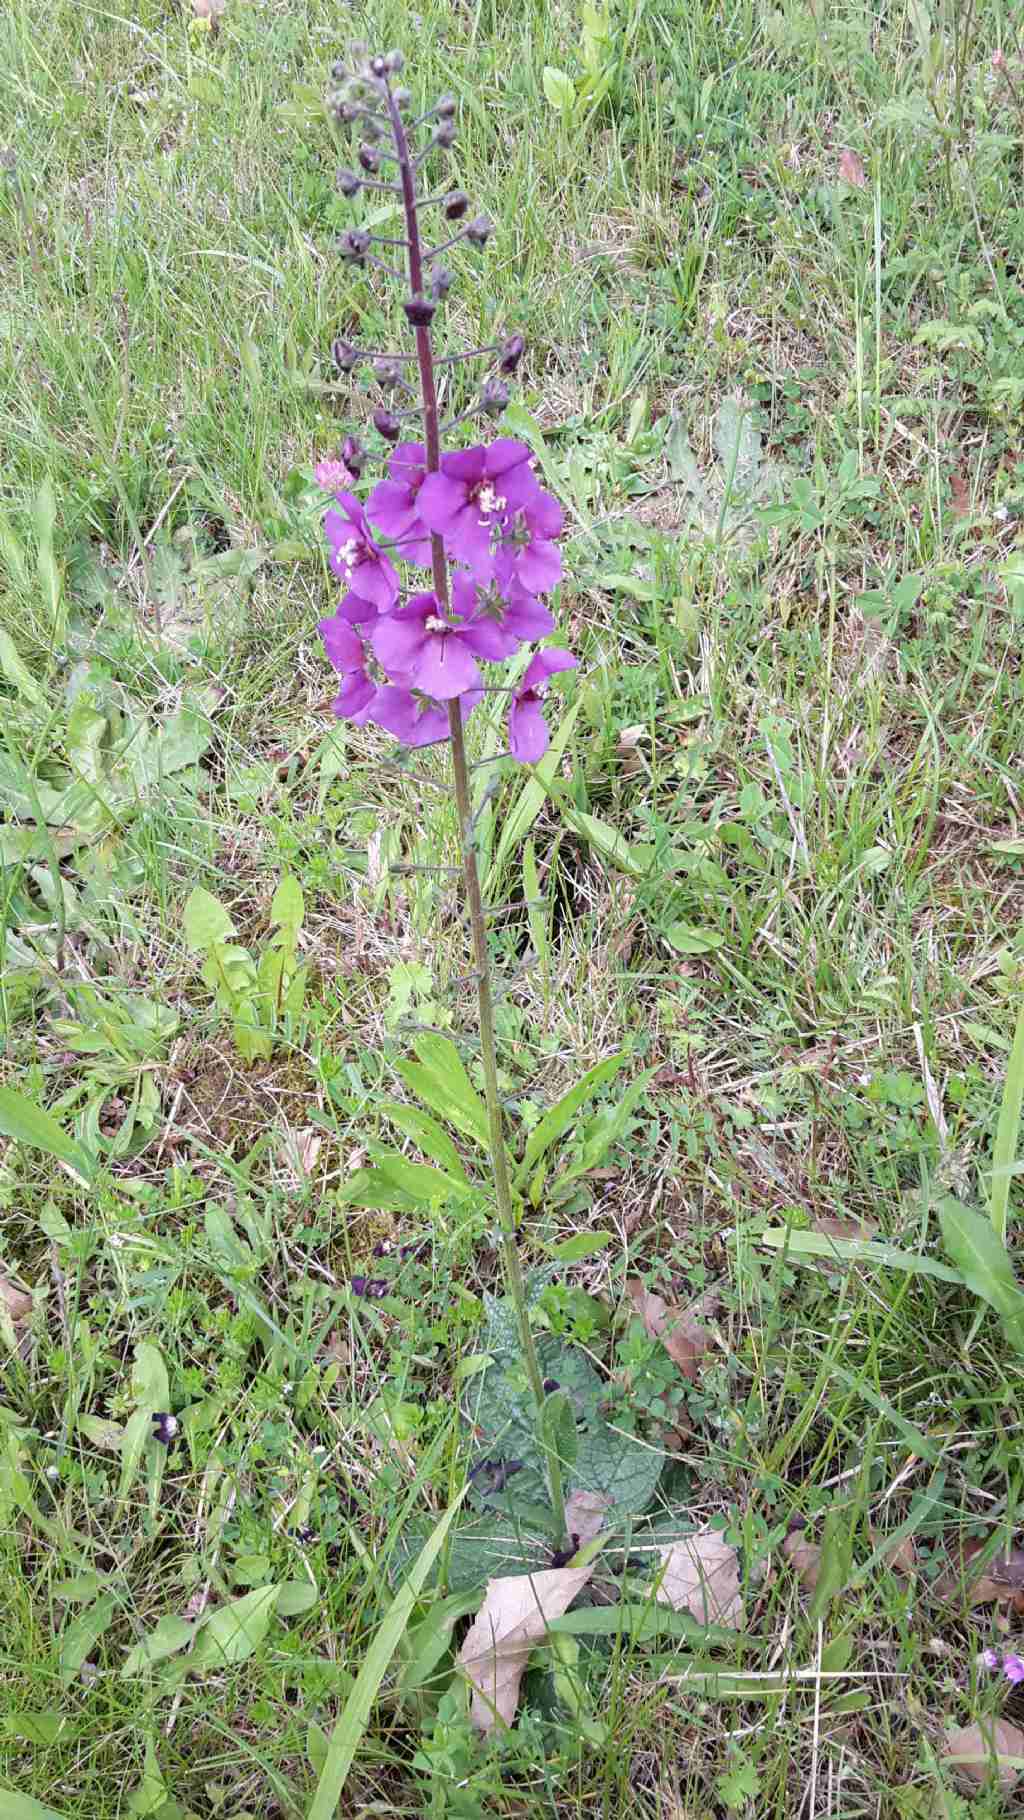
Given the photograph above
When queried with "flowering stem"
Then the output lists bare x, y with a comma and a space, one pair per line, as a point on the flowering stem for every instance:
488, 1051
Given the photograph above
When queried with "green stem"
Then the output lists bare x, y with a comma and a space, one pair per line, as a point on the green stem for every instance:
488, 1054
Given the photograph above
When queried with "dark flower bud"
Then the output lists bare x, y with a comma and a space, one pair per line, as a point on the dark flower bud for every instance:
368, 1286
387, 372
353, 245
165, 1427
455, 205
445, 134
446, 108
419, 311
349, 182
510, 353
378, 66
345, 356
549, 1385
401, 98
346, 112
369, 158
338, 70
396, 62
494, 397
479, 230
353, 455
388, 426
441, 280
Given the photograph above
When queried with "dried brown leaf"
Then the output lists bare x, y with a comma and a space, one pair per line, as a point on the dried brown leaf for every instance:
851, 169
973, 1752
804, 1558
959, 494
834, 1228
682, 1336
901, 1557
701, 1576
512, 1620
16, 1302
585, 1512
1000, 1583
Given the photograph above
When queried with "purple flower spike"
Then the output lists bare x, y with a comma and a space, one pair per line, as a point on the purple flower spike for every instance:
434, 651
394, 503
363, 568
1013, 1668
474, 491
527, 728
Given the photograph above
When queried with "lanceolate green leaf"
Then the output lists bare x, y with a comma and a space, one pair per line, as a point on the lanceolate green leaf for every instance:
1007, 1132
27, 1123
801, 1246
559, 1117
440, 1080
984, 1264
431, 1137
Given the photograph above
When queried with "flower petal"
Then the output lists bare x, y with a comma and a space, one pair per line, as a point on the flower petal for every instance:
439, 501
527, 731
444, 668
398, 641
539, 568
344, 647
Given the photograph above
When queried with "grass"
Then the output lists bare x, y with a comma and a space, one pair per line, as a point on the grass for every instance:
799, 704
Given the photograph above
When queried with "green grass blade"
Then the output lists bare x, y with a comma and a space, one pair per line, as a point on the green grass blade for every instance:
1007, 1132
352, 1723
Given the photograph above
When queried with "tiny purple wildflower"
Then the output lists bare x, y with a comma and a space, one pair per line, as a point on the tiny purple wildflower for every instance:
1013, 1668
355, 557
527, 728
990, 1658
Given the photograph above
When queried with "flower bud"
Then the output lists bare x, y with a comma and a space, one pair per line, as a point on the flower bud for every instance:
401, 98
388, 426
446, 108
353, 455
349, 183
441, 280
378, 66
369, 158
511, 353
353, 245
479, 230
455, 205
387, 372
338, 70
419, 311
396, 62
344, 354
494, 397
444, 134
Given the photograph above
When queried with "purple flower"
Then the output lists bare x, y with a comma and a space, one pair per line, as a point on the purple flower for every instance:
345, 650
331, 474
474, 490
433, 650
525, 552
990, 1658
414, 719
527, 728
393, 504
363, 568
1013, 1668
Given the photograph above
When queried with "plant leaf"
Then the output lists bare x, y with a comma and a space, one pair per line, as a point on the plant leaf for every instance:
14, 1806
1007, 1131
531, 799
975, 1752
27, 1123
560, 1116
425, 1131
700, 1574
682, 1336
804, 1245
287, 906
972, 1243
169, 1635
232, 1632
82, 1634
511, 1622
206, 921
585, 1513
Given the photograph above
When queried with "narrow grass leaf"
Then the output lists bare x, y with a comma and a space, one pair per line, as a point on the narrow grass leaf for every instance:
803, 1245
531, 800
81, 1636
1007, 1133
348, 1732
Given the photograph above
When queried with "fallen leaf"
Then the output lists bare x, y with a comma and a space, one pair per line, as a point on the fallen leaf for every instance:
834, 1228
701, 1576
1001, 1582
974, 1751
851, 169
959, 494
683, 1337
16, 1302
585, 1512
804, 1558
902, 1557
512, 1620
